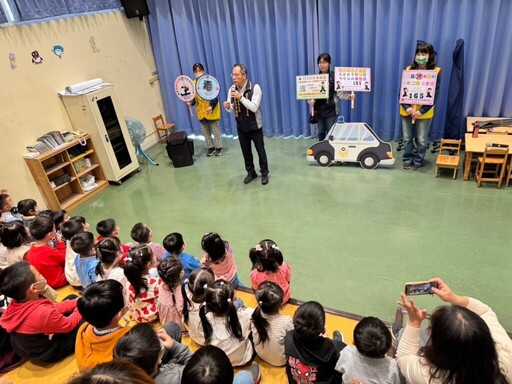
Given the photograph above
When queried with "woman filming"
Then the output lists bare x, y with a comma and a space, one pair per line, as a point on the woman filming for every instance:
467, 343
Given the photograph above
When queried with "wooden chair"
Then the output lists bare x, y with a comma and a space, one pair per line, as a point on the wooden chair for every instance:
449, 156
509, 172
162, 127
493, 163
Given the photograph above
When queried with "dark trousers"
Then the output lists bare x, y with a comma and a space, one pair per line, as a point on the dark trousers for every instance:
245, 139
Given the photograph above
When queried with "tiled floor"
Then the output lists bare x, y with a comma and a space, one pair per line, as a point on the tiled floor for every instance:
352, 236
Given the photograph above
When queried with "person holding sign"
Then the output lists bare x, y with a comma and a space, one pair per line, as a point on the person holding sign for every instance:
244, 97
208, 114
327, 109
416, 118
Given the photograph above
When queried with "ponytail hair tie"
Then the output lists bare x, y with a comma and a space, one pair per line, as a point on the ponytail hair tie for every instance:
258, 247
205, 286
129, 259
221, 283
229, 300
203, 304
185, 281
260, 303
275, 247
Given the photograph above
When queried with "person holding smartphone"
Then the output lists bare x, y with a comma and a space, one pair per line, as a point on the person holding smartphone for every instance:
467, 343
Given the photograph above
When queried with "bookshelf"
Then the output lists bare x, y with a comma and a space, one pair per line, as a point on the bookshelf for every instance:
79, 162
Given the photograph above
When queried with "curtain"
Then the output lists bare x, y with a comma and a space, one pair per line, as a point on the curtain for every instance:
38, 9
280, 39
3, 18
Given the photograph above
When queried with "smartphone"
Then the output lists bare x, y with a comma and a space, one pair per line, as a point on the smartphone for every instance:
419, 288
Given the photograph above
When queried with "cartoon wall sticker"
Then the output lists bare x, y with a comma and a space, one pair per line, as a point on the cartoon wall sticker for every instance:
58, 50
94, 48
12, 59
36, 59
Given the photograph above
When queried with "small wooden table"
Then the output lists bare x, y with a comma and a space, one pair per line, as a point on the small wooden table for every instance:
471, 119
477, 145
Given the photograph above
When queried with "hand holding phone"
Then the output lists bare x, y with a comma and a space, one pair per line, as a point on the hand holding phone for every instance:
419, 288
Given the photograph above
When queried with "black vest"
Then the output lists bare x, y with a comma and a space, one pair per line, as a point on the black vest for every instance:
246, 119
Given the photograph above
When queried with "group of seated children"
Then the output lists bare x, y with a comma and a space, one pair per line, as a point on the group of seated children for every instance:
196, 298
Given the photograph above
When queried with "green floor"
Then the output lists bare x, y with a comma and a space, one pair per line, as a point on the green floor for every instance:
351, 236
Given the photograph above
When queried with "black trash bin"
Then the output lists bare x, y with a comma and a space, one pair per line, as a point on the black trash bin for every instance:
180, 149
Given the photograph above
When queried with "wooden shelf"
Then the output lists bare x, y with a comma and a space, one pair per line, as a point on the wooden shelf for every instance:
81, 156
56, 168
88, 170
68, 195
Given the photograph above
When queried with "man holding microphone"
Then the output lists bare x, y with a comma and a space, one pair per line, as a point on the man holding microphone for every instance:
244, 98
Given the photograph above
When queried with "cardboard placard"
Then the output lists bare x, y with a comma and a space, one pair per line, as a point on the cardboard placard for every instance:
312, 86
418, 87
353, 79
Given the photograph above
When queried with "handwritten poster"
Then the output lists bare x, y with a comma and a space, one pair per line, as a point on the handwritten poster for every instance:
418, 87
353, 79
313, 86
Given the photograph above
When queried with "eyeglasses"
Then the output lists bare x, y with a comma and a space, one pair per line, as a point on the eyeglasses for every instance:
236, 74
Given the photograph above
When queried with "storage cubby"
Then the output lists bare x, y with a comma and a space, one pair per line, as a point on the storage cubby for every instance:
59, 174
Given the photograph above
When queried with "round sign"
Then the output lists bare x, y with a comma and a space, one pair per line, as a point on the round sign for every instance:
184, 88
207, 87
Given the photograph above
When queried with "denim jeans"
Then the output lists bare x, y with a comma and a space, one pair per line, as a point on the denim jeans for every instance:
324, 125
419, 130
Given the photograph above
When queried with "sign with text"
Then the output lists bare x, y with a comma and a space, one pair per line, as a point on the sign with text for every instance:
312, 86
418, 87
352, 79
207, 87
185, 88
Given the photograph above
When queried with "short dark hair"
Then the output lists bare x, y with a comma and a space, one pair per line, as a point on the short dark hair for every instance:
13, 234
173, 243
3, 200
208, 365
325, 57
41, 226
309, 321
140, 233
71, 227
113, 372
197, 66
26, 205
106, 227
372, 338
16, 279
82, 243
141, 346
58, 217
243, 68
100, 302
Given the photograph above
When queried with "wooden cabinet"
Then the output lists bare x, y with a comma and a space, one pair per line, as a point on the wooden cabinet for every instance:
78, 160
98, 112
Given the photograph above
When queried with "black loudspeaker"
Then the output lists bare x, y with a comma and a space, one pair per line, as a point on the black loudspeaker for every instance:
180, 149
135, 8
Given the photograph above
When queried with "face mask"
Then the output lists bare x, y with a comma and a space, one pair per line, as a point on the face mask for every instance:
421, 60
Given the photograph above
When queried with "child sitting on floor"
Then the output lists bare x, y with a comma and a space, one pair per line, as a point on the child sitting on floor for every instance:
40, 330
143, 290
102, 307
218, 256
224, 326
160, 354
108, 252
69, 229
367, 362
175, 245
268, 265
49, 261
143, 235
28, 210
309, 352
109, 228
193, 290
170, 300
7, 208
268, 326
85, 260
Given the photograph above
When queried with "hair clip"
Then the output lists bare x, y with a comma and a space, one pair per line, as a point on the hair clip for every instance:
205, 286
275, 247
128, 259
229, 300
221, 283
260, 303
185, 281
203, 304
258, 247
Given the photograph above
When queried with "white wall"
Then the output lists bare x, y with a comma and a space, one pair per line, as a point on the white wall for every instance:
29, 105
